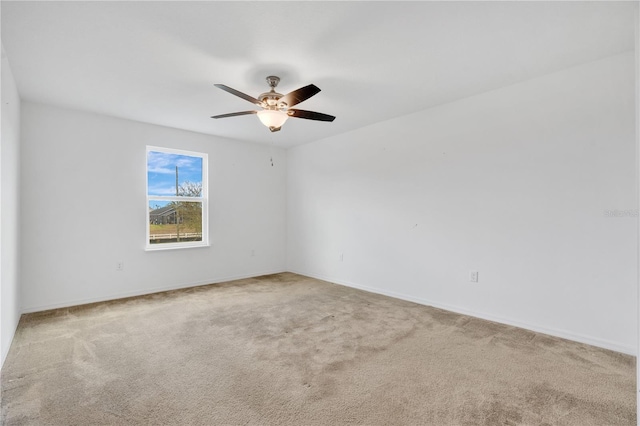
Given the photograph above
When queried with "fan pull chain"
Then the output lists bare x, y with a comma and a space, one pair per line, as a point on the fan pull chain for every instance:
271, 149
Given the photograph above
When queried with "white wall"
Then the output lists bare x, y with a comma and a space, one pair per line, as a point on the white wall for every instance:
513, 183
9, 209
83, 209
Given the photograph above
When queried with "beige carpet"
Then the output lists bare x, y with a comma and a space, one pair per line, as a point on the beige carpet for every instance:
291, 350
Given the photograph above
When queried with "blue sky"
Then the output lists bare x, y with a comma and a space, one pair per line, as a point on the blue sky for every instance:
161, 173
156, 204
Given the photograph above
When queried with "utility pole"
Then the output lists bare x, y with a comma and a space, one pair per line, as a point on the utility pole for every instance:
177, 209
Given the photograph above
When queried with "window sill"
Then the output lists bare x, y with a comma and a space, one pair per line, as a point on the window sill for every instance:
170, 246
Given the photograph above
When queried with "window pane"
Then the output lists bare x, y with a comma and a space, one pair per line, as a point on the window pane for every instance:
164, 169
174, 221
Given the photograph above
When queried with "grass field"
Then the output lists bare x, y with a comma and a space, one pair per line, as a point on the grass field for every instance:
169, 229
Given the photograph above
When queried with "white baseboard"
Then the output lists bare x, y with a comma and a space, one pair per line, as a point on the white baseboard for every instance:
602, 343
77, 302
5, 351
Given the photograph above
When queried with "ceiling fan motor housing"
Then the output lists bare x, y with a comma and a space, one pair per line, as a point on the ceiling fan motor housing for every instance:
270, 99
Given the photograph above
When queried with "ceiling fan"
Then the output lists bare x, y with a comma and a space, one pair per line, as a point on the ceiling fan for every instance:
276, 108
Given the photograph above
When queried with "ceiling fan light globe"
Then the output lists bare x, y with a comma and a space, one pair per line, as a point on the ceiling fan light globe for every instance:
272, 118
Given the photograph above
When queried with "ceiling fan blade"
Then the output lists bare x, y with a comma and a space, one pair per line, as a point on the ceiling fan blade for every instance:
310, 115
239, 94
297, 96
234, 114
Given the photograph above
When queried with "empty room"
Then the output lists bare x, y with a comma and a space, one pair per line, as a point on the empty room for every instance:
319, 213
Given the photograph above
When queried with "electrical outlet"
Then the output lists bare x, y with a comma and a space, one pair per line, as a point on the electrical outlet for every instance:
341, 257
253, 253
473, 276
119, 265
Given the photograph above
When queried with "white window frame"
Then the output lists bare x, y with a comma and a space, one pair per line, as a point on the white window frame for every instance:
204, 200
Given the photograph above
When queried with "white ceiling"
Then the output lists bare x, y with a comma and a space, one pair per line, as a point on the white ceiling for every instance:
156, 62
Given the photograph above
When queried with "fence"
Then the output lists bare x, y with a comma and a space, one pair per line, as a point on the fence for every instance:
190, 236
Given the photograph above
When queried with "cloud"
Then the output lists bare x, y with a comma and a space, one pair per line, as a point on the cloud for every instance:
162, 190
165, 163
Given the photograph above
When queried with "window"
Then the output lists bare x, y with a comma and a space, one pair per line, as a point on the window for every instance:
176, 199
